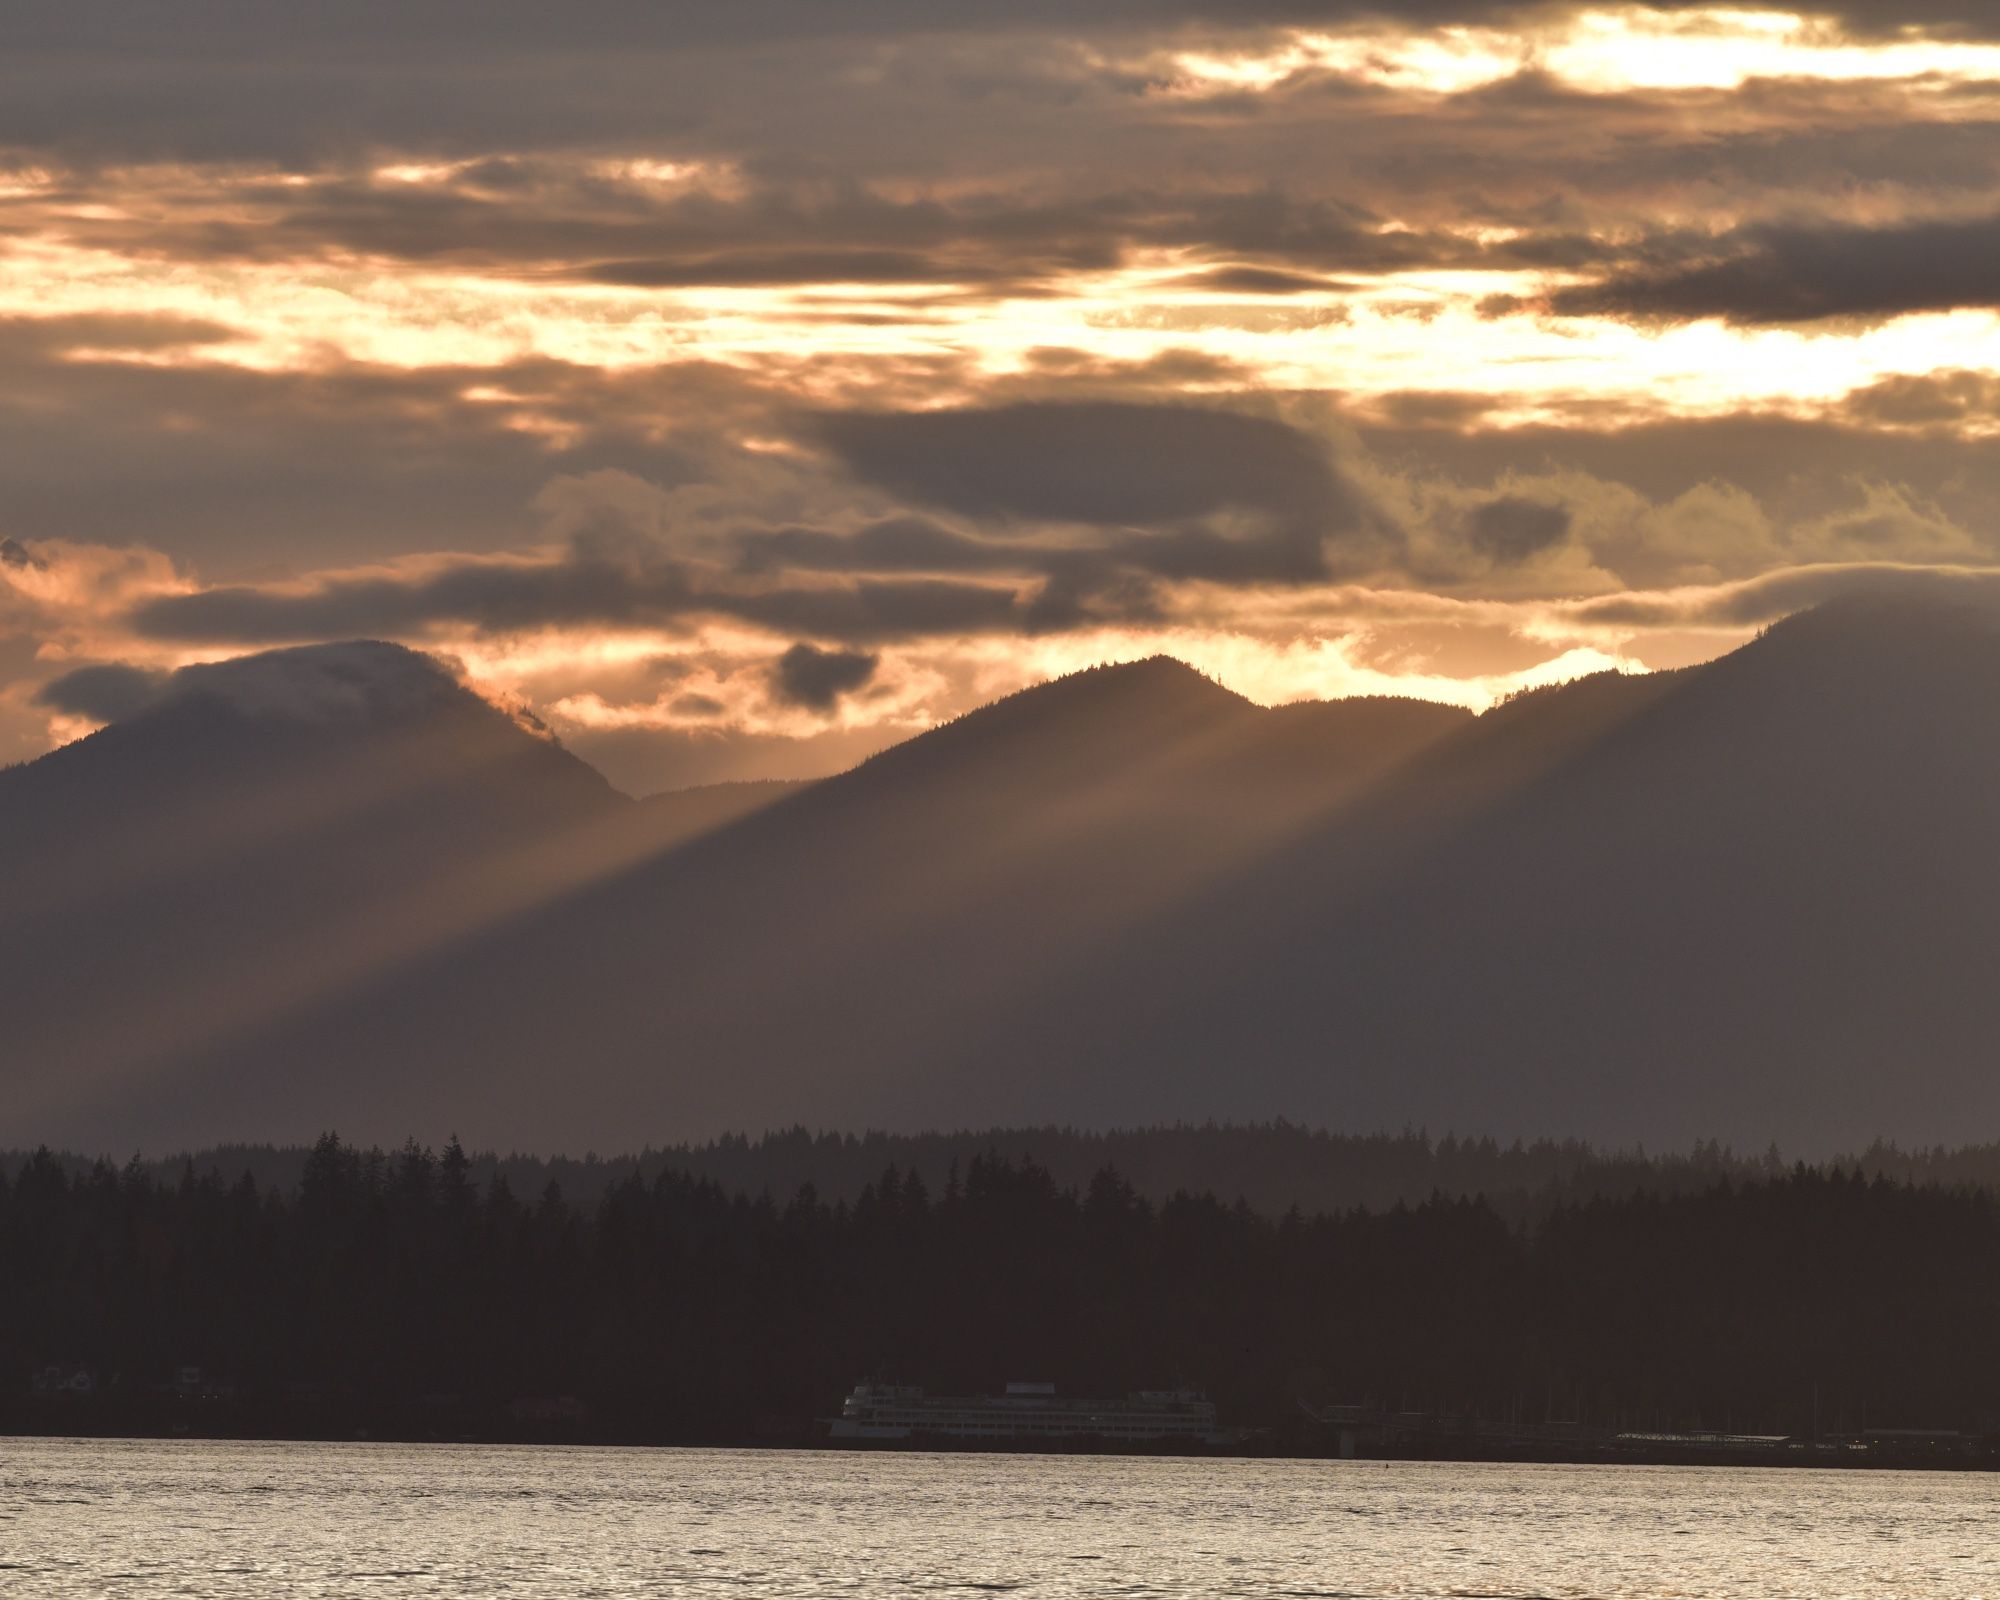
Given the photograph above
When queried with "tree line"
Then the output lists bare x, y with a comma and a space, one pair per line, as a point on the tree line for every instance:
1273, 1165
397, 1291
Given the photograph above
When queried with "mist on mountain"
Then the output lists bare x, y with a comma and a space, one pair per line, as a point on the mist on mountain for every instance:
1753, 899
260, 833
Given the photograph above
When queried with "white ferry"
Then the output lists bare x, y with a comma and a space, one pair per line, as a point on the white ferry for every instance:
1027, 1413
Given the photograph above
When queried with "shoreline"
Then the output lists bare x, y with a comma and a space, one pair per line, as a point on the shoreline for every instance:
1969, 1456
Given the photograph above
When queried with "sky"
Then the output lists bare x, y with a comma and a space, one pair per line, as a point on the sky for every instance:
745, 387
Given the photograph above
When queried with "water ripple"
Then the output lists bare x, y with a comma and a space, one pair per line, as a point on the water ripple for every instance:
339, 1521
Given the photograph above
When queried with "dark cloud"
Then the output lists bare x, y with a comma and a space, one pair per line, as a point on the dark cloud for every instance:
480, 30
15, 554
576, 591
892, 142
1966, 19
1776, 595
346, 681
1913, 400
1095, 595
548, 217
875, 609
232, 79
1259, 280
485, 31
1102, 462
1798, 469
948, 152
352, 462
784, 267
911, 544
64, 335
1235, 499
1786, 273
1191, 492
1510, 529
557, 219
1114, 580
894, 544
103, 692
816, 679
988, 201
1433, 408
490, 595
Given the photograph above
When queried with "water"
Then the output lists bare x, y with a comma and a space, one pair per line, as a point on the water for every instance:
215, 1520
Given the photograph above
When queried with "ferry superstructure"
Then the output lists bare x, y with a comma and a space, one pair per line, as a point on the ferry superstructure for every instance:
1026, 1413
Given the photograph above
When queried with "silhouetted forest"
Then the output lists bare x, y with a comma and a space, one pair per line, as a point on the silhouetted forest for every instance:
399, 1293
1271, 1166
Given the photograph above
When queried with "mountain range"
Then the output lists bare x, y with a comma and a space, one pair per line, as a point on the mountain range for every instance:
331, 887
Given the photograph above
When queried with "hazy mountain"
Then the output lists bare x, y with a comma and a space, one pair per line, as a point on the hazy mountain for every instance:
270, 830
1756, 899
1760, 898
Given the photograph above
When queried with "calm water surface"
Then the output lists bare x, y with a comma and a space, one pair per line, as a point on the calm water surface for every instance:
349, 1520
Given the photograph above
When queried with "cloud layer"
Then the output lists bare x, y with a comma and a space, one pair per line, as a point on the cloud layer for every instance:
747, 386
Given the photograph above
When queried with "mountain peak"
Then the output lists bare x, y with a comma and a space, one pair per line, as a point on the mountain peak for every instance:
1919, 646
311, 718
355, 681
1751, 897
1161, 681
1919, 605
1099, 715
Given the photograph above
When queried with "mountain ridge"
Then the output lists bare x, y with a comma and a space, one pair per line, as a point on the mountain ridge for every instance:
1648, 907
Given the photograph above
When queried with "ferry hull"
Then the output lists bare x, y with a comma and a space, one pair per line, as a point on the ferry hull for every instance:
1028, 1417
